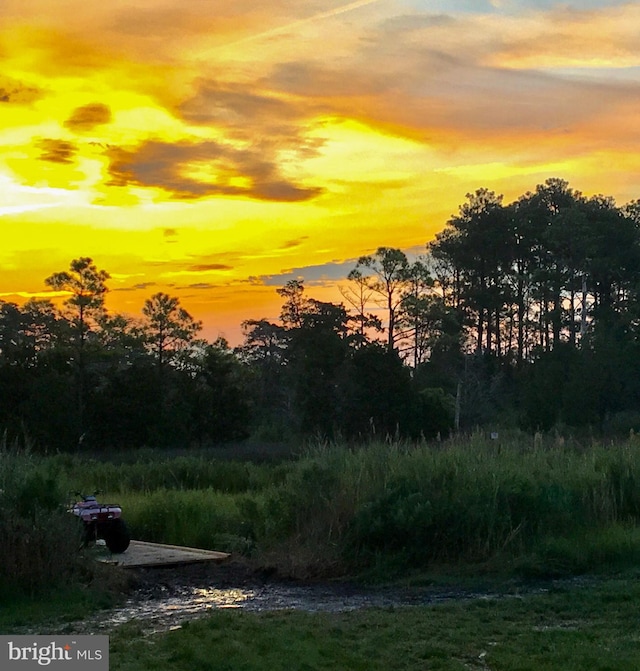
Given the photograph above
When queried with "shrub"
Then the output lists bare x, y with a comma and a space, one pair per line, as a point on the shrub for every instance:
40, 541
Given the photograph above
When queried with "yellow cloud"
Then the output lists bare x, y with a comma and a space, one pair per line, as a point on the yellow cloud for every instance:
567, 38
182, 145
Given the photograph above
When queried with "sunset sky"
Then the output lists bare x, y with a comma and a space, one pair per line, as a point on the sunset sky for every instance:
215, 149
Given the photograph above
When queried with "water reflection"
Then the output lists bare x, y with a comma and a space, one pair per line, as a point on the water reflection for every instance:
167, 612
171, 610
171, 606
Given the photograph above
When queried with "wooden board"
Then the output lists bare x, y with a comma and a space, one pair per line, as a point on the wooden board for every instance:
142, 554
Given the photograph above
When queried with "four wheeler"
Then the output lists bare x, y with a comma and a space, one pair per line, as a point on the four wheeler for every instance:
101, 520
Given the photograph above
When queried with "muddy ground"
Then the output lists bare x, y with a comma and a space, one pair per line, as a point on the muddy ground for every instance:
159, 599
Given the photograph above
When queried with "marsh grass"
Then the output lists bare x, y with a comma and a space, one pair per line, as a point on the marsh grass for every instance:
540, 505
164, 473
206, 518
39, 540
517, 503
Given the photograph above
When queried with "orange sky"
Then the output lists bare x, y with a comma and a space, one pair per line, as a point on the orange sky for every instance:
214, 150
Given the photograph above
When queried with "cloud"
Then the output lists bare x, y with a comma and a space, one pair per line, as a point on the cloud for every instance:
590, 38
217, 169
451, 82
199, 285
89, 116
231, 104
312, 275
137, 287
291, 244
57, 151
262, 119
15, 92
206, 267
170, 235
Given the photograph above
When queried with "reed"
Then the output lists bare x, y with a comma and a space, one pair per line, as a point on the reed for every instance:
40, 541
536, 504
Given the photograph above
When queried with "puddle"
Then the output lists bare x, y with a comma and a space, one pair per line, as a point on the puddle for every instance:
167, 605
179, 605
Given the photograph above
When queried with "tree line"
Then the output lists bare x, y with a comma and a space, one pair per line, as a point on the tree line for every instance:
525, 313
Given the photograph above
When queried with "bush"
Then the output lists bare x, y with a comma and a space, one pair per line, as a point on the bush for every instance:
40, 541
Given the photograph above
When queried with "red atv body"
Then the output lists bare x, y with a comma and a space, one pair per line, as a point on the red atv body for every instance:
102, 521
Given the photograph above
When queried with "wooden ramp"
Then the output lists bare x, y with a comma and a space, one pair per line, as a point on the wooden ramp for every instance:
141, 554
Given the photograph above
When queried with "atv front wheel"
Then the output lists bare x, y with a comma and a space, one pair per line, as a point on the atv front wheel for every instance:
116, 535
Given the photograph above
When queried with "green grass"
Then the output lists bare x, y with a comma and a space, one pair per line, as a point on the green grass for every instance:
150, 471
58, 606
531, 506
207, 518
534, 505
591, 627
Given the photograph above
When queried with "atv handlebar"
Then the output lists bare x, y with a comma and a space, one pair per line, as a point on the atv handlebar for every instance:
86, 497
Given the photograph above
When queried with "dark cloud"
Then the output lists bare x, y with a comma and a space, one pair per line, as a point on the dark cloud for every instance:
17, 93
264, 120
136, 287
318, 274
283, 191
224, 170
254, 281
229, 105
205, 267
200, 285
170, 235
57, 151
88, 117
290, 244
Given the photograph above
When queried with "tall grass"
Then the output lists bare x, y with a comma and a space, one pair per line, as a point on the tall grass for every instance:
39, 540
204, 518
466, 502
148, 475
539, 504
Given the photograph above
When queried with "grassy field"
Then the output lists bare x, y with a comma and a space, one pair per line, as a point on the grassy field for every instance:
516, 504
592, 626
520, 505
534, 506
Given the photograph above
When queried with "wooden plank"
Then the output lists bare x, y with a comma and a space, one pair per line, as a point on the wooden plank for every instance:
141, 554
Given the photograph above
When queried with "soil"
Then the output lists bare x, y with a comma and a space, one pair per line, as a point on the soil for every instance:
234, 573
164, 598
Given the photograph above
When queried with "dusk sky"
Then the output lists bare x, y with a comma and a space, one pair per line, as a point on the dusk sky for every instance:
213, 150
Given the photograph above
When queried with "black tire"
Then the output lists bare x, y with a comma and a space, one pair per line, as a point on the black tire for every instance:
116, 535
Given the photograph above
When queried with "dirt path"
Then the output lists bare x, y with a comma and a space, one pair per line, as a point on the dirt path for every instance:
164, 598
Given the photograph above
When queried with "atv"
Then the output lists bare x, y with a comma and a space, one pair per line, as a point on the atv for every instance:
101, 520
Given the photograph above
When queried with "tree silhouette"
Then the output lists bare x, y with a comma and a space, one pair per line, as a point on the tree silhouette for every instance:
170, 328
385, 273
87, 287
358, 295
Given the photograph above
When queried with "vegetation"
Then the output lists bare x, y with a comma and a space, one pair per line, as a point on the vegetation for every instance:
40, 541
568, 629
389, 508
529, 506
